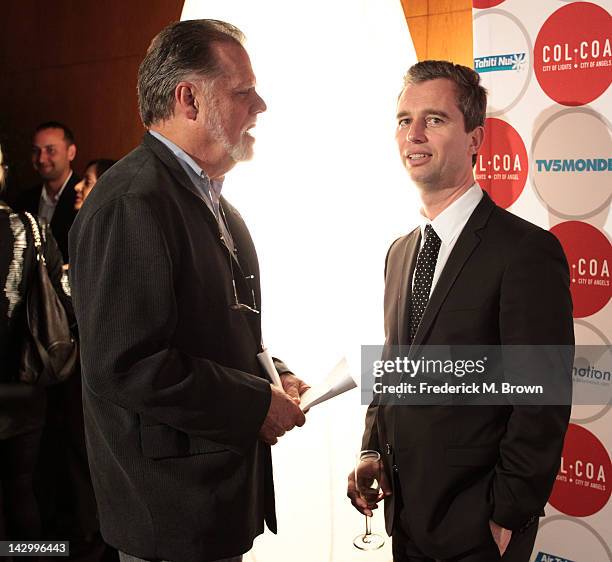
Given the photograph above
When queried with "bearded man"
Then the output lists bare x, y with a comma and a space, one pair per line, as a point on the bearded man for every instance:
178, 412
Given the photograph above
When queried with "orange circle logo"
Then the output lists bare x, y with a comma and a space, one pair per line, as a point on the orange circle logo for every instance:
482, 4
573, 55
589, 255
502, 167
582, 487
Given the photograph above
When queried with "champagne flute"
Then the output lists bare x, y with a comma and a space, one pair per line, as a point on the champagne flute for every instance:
367, 481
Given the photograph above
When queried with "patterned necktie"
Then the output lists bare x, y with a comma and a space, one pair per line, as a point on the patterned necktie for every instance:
423, 277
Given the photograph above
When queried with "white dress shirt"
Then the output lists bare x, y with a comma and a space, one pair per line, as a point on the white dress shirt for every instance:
449, 224
47, 203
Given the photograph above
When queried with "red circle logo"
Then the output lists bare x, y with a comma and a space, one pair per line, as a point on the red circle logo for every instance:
589, 255
483, 4
582, 487
573, 55
502, 167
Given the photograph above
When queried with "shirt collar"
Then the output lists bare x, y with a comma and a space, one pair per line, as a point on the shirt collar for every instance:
449, 223
216, 184
53, 199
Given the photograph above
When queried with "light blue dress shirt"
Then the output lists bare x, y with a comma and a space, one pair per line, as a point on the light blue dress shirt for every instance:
210, 191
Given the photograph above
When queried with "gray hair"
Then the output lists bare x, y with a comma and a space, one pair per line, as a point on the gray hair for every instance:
471, 96
177, 53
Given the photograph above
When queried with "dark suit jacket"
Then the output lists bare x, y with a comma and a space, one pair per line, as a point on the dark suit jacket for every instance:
63, 216
172, 390
505, 282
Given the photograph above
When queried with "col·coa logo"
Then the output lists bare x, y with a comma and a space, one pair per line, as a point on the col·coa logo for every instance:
583, 484
501, 166
589, 256
484, 4
573, 54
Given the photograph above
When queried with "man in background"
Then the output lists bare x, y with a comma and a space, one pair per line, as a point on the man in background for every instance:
179, 414
466, 483
63, 483
53, 150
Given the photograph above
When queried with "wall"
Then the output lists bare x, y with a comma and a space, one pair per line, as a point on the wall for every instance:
441, 29
75, 62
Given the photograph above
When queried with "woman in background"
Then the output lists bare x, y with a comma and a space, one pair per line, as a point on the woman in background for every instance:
93, 171
22, 406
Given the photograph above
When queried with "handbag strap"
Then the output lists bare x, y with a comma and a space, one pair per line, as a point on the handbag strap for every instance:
37, 238
43, 353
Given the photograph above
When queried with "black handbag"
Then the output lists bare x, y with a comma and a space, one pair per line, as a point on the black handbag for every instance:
50, 353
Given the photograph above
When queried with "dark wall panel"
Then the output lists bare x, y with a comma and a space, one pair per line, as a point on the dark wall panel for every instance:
74, 61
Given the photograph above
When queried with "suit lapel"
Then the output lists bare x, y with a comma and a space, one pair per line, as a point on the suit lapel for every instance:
235, 225
64, 211
466, 243
411, 251
247, 265
245, 250
164, 154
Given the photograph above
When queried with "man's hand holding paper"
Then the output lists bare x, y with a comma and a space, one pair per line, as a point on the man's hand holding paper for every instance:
283, 415
294, 386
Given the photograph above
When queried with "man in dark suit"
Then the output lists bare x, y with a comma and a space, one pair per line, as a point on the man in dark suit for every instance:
465, 483
63, 483
53, 150
179, 415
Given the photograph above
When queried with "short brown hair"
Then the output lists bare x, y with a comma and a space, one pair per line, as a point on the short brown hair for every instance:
471, 96
176, 53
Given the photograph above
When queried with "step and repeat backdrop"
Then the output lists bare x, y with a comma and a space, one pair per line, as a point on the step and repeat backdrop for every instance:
548, 158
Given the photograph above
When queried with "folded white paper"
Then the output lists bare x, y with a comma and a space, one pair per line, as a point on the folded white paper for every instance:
265, 360
338, 381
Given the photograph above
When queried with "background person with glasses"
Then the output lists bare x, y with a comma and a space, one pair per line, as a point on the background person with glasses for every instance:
179, 414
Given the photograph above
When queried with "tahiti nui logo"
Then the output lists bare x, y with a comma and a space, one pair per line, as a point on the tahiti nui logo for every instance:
497, 63
502, 57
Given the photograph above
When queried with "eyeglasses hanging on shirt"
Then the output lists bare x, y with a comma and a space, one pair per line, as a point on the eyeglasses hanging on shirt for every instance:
228, 241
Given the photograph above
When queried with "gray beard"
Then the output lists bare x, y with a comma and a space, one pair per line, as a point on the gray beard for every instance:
238, 152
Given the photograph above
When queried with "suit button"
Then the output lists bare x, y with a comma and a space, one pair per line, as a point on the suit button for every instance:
388, 449
395, 468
